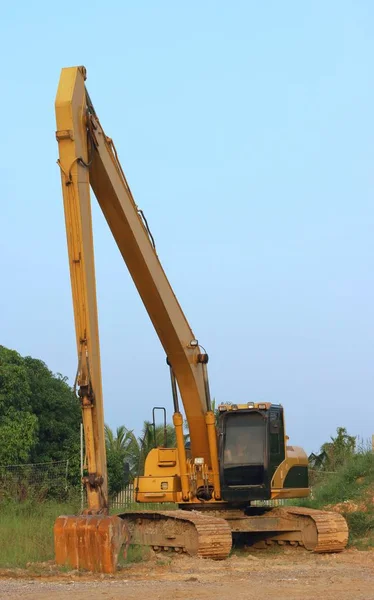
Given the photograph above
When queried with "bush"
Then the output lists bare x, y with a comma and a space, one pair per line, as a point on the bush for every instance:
350, 490
349, 482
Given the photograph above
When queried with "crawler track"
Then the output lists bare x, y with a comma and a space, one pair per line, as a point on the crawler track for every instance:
323, 531
209, 533
184, 531
316, 530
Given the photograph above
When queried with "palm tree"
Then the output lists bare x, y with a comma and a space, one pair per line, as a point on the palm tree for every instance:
122, 441
153, 437
121, 450
126, 453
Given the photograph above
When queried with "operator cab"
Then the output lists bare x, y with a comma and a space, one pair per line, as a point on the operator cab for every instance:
252, 446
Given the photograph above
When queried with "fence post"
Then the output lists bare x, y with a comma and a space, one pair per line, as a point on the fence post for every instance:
66, 475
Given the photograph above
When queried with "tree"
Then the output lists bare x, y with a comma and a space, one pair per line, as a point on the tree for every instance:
121, 450
152, 438
339, 449
39, 413
335, 453
58, 411
126, 453
18, 424
18, 434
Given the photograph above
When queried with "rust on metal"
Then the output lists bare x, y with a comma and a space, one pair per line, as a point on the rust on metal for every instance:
209, 534
90, 542
192, 532
316, 530
324, 531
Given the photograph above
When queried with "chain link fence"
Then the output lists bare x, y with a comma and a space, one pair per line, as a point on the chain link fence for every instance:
41, 481
126, 499
38, 481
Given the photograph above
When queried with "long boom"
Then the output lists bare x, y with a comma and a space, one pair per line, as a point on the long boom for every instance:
88, 158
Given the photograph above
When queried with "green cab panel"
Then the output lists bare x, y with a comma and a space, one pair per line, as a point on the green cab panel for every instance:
297, 477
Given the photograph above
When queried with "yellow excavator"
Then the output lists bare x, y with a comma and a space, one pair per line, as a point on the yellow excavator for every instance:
235, 459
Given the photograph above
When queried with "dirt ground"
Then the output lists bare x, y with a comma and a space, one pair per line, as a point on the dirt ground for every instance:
288, 575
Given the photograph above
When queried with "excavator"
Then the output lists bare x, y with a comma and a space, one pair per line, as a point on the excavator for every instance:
237, 460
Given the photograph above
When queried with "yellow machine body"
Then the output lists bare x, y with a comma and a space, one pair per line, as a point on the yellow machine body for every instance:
160, 484
202, 476
161, 481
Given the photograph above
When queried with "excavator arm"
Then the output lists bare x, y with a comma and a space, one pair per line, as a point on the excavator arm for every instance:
88, 158
73, 161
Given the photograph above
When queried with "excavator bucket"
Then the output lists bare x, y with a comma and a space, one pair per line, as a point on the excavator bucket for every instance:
90, 542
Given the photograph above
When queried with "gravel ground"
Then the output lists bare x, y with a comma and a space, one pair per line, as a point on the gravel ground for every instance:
290, 575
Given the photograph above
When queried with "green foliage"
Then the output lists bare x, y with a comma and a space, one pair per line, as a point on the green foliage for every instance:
215, 410
134, 554
18, 435
350, 489
18, 425
124, 448
350, 481
26, 531
58, 412
39, 414
121, 449
338, 450
360, 523
151, 438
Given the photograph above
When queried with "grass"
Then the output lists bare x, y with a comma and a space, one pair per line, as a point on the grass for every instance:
352, 488
26, 531
349, 482
135, 554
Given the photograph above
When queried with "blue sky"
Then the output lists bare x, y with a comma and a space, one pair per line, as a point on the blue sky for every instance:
246, 133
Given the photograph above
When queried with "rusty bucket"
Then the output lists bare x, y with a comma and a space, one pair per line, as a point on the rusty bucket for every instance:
90, 542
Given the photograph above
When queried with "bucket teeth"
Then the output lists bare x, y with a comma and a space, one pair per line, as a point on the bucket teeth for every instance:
90, 542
